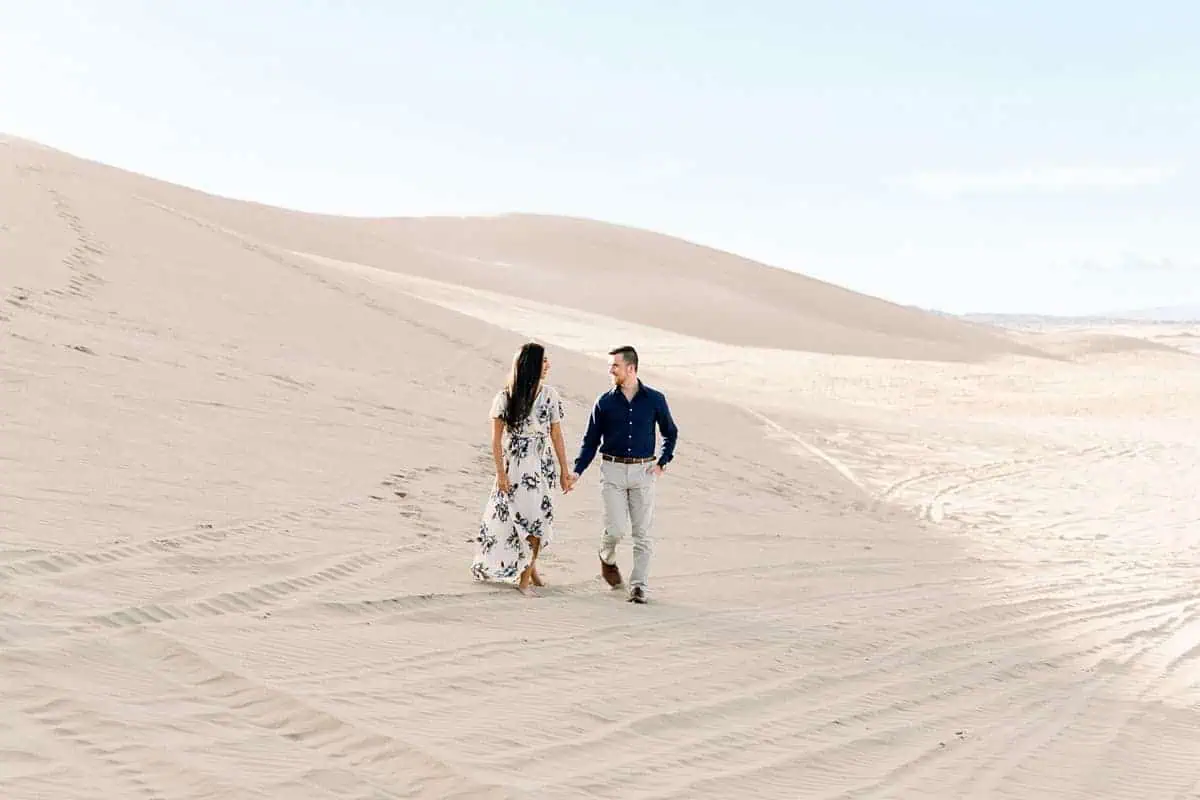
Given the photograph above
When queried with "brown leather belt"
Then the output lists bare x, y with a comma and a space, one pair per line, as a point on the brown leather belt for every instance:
624, 460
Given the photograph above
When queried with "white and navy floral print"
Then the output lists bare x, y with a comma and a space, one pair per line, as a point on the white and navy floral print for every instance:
502, 552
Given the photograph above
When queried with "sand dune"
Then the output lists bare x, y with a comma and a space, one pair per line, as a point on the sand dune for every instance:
245, 450
587, 265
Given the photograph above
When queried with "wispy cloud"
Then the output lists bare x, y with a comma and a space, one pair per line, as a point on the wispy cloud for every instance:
1040, 179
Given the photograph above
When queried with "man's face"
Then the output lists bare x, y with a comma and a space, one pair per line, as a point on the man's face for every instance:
618, 369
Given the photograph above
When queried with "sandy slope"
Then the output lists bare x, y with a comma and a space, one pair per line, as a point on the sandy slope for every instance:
245, 451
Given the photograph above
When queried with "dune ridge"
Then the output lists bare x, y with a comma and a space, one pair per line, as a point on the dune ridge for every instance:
576, 262
245, 451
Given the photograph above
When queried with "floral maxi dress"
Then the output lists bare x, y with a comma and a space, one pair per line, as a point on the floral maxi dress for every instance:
502, 552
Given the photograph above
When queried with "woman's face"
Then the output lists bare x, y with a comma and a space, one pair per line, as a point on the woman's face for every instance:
545, 365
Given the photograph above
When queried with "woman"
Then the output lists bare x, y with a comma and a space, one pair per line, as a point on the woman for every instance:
518, 519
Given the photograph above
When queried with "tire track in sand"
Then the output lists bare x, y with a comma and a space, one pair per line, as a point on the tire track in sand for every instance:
258, 598
315, 737
962, 479
201, 534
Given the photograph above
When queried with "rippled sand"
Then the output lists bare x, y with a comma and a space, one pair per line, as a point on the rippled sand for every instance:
245, 452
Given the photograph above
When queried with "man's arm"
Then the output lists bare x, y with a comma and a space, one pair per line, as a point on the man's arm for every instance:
591, 439
669, 430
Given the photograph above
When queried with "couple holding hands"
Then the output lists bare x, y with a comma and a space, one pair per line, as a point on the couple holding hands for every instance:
530, 457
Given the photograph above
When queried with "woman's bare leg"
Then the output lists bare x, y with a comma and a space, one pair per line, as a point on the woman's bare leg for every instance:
529, 574
536, 544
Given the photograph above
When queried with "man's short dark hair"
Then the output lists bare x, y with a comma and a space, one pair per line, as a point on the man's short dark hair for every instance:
627, 354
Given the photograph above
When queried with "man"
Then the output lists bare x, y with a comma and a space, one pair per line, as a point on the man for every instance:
621, 427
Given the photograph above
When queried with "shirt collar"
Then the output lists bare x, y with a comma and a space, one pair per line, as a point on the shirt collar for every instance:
641, 388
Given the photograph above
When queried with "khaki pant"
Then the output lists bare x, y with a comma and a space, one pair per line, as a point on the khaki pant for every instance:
628, 494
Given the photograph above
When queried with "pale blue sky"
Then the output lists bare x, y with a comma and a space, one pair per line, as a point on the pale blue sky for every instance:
1007, 156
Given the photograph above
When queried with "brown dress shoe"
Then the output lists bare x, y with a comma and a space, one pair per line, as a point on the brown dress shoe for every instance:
611, 573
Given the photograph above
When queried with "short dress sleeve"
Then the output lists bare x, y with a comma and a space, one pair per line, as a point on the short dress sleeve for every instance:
498, 403
557, 412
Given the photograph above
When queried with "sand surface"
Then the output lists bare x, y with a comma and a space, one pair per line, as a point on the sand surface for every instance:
244, 452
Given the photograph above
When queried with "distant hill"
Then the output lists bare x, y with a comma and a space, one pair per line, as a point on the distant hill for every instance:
1164, 315
1189, 312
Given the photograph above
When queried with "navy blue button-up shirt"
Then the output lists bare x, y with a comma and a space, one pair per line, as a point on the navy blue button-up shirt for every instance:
620, 427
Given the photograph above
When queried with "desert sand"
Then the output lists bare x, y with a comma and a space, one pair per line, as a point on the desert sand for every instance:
245, 451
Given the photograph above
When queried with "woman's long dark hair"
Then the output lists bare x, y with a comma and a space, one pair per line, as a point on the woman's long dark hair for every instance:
523, 383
